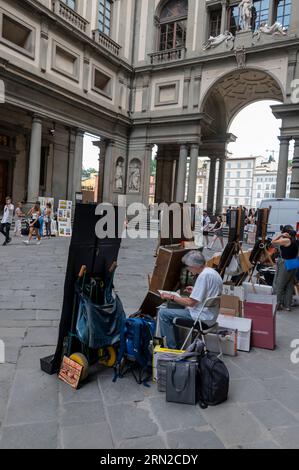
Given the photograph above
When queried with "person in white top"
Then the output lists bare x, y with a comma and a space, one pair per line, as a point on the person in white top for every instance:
18, 220
208, 284
206, 221
7, 220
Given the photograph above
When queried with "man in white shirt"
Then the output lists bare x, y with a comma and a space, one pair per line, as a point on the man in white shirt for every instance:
208, 284
7, 220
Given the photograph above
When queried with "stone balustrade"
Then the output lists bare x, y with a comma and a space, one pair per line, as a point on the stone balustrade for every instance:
70, 15
104, 40
168, 55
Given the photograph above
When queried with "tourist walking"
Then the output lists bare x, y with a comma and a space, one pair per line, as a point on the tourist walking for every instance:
48, 219
206, 225
7, 220
217, 229
34, 226
285, 279
18, 220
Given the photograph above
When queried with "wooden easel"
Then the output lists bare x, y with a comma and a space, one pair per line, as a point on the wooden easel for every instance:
260, 248
233, 247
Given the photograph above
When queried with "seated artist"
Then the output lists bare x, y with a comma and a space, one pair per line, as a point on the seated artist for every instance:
208, 284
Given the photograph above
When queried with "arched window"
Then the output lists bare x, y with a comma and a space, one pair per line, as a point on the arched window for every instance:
173, 25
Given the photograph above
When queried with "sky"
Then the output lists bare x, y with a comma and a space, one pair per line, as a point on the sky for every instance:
255, 126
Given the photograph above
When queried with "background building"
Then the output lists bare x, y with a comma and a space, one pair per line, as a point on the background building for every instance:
138, 73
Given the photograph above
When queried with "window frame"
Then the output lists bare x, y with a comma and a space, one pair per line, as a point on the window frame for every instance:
67, 4
174, 20
105, 9
28, 53
276, 7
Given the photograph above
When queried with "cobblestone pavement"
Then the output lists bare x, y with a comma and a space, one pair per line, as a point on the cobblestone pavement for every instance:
38, 411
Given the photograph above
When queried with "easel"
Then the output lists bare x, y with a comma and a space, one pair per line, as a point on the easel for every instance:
234, 246
261, 245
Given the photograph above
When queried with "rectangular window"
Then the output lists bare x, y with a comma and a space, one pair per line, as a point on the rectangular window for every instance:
215, 22
283, 12
238, 183
260, 13
104, 16
102, 83
17, 35
70, 3
234, 19
173, 35
238, 174
43, 168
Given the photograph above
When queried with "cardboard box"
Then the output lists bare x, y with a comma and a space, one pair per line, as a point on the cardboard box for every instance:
243, 325
230, 305
262, 311
249, 288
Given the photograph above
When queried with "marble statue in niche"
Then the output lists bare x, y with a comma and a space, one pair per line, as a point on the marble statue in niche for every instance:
135, 176
119, 175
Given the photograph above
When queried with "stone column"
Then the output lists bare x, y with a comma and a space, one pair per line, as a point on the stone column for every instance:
282, 173
77, 166
101, 144
108, 162
34, 160
182, 172
295, 171
211, 187
223, 16
220, 186
193, 173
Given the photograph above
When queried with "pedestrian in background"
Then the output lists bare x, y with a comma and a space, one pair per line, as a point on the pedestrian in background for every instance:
284, 279
18, 220
48, 219
217, 229
34, 226
206, 226
7, 220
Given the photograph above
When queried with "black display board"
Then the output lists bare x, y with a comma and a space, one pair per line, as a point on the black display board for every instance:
85, 249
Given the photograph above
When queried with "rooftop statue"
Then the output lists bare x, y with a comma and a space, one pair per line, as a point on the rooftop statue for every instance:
275, 30
246, 7
215, 41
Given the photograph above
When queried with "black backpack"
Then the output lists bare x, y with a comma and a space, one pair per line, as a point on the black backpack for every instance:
214, 380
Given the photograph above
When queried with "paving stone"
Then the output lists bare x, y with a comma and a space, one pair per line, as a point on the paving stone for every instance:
12, 349
48, 314
17, 314
30, 436
128, 422
233, 424
12, 332
258, 445
247, 390
30, 356
174, 415
41, 336
271, 414
286, 391
7, 372
287, 437
88, 392
123, 390
74, 414
87, 436
260, 367
194, 439
33, 398
155, 442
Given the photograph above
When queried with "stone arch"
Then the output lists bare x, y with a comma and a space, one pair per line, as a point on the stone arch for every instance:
163, 3
232, 92
119, 174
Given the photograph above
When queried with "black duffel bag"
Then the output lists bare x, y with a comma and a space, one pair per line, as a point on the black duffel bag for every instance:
214, 380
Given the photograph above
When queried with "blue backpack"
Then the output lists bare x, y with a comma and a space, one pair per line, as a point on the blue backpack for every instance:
135, 347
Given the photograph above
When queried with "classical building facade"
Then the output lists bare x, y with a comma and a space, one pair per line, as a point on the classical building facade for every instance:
139, 73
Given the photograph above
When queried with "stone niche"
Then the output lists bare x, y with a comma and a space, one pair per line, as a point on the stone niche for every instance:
119, 175
134, 176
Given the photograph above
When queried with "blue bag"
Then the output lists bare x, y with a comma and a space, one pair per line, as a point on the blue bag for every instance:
135, 340
99, 326
291, 264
